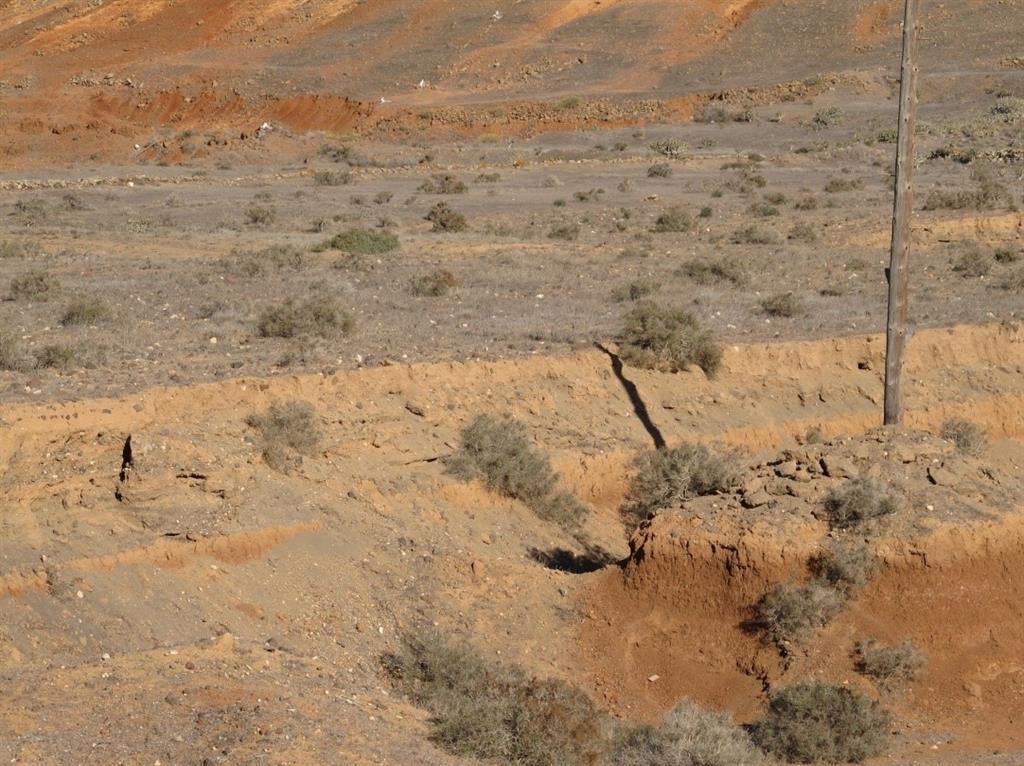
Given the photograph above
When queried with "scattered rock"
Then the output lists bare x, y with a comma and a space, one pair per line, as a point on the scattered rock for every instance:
787, 469
942, 476
756, 499
838, 468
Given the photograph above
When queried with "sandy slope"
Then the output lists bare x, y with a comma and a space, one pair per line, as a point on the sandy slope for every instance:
238, 611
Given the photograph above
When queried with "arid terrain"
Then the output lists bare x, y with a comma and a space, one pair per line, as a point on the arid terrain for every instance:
263, 267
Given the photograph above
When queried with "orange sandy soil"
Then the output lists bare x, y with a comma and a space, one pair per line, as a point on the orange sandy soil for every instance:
221, 610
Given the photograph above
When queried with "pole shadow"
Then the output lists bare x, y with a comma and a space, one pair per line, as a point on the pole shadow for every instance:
639, 407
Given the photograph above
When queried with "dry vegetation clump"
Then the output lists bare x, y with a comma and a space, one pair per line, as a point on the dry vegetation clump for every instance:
672, 148
434, 284
667, 339
1014, 281
496, 712
442, 184
858, 504
969, 437
319, 315
754, 235
488, 178
666, 477
55, 356
260, 263
705, 272
973, 261
497, 450
16, 249
789, 613
814, 722
803, 232
839, 185
567, 232
634, 291
84, 311
784, 305
688, 736
362, 242
989, 193
889, 665
659, 170
332, 178
288, 430
445, 218
673, 220
11, 357
34, 286
260, 216
844, 565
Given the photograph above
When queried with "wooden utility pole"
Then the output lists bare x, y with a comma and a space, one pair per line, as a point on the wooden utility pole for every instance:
896, 326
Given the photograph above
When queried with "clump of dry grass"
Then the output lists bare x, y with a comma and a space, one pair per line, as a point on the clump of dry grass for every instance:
673, 220
889, 665
789, 613
288, 430
970, 438
318, 315
34, 286
844, 565
666, 477
858, 504
495, 712
667, 339
783, 305
445, 218
705, 271
443, 184
688, 736
84, 311
497, 450
434, 284
815, 722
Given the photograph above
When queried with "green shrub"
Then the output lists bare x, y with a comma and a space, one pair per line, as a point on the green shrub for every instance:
332, 178
34, 286
970, 438
688, 736
858, 504
814, 722
442, 184
497, 450
445, 218
364, 242
489, 711
434, 284
659, 170
84, 311
844, 565
706, 212
669, 340
55, 356
784, 305
315, 316
705, 272
889, 665
673, 220
789, 613
288, 430
666, 477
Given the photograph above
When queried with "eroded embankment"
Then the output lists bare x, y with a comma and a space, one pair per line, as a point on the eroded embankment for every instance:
677, 611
